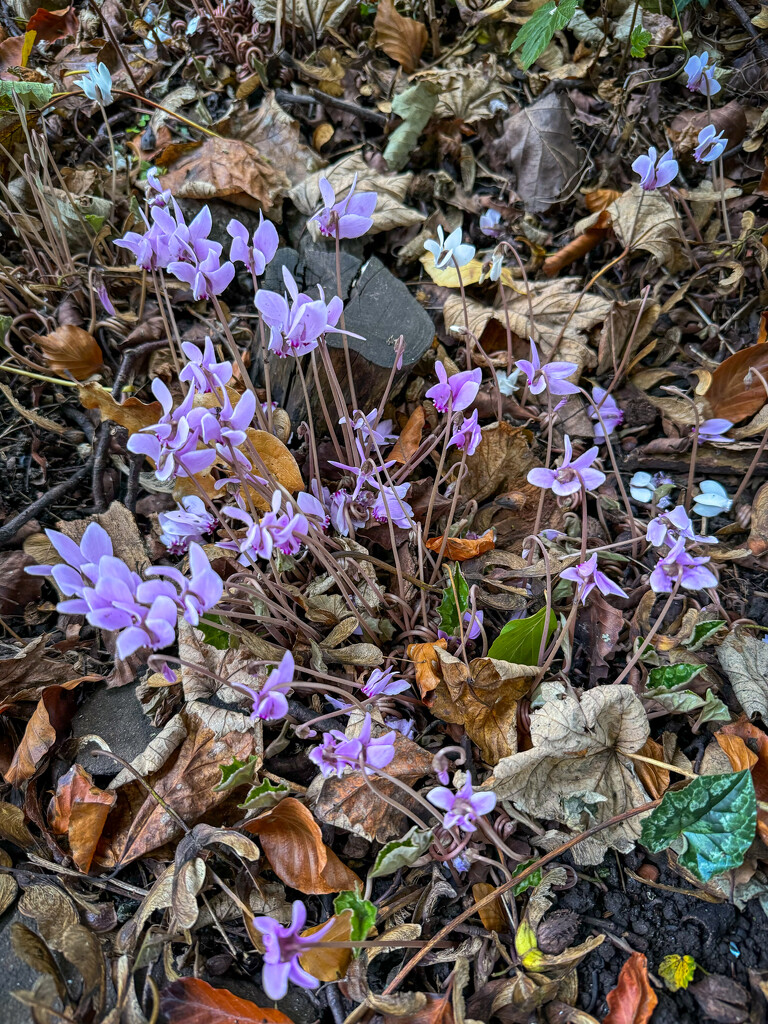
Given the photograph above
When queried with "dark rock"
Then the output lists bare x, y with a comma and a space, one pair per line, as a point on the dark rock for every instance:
117, 717
16, 974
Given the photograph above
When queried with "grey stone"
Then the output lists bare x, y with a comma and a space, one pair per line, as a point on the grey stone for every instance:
117, 717
15, 974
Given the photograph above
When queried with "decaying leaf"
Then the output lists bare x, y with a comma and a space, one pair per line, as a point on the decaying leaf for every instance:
131, 414
735, 392
633, 1000
424, 658
47, 725
744, 659
79, 810
645, 220
194, 1001
407, 444
329, 964
70, 350
402, 39
314, 16
459, 549
577, 771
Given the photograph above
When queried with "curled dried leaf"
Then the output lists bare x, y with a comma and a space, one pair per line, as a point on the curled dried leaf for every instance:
402, 39
71, 351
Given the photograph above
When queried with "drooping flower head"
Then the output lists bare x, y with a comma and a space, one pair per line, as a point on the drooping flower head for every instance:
349, 218
254, 252
700, 75
468, 436
460, 389
712, 144
587, 576
96, 83
449, 250
282, 948
463, 808
489, 222
610, 414
552, 376
270, 703
572, 475
655, 173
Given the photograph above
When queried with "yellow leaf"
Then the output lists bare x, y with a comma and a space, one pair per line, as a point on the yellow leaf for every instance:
26, 50
677, 971
470, 274
525, 939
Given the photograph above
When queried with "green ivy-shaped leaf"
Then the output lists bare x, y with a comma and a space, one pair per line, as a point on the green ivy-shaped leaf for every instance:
669, 676
520, 640
537, 33
715, 816
217, 638
238, 773
713, 711
363, 914
264, 796
401, 853
449, 613
702, 632
527, 883
679, 702
639, 41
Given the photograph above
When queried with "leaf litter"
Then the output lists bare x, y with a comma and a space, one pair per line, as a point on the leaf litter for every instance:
384, 520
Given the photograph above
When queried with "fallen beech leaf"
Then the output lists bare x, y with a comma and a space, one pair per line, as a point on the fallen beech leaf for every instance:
459, 549
293, 844
654, 779
579, 246
410, 437
79, 810
721, 999
600, 199
757, 742
579, 748
131, 414
53, 25
329, 964
492, 914
193, 1001
221, 168
426, 664
15, 589
650, 226
48, 723
277, 459
633, 1000
30, 669
735, 393
737, 752
71, 350
402, 39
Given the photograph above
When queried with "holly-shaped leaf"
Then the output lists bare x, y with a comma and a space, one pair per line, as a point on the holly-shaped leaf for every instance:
264, 796
238, 773
669, 676
537, 33
453, 604
677, 971
639, 41
520, 640
702, 632
363, 914
714, 819
401, 853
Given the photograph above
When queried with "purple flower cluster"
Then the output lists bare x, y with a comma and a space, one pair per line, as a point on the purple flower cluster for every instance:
463, 808
673, 530
254, 252
111, 596
337, 752
352, 217
189, 522
276, 529
297, 328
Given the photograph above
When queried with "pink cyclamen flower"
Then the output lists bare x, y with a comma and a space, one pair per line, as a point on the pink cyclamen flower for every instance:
369, 429
587, 576
678, 565
257, 252
552, 376
385, 682
472, 627
270, 703
202, 370
188, 522
610, 414
460, 389
349, 218
670, 527
468, 436
337, 752
655, 174
711, 145
389, 505
701, 75
297, 329
713, 430
210, 277
463, 808
282, 948
572, 475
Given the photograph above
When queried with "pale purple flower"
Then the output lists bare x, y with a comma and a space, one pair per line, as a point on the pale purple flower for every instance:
351, 217
460, 389
385, 682
389, 505
676, 565
270, 703
712, 499
643, 485
198, 592
367, 427
701, 75
210, 277
174, 438
610, 413
188, 522
468, 436
337, 752
282, 948
670, 527
711, 145
472, 626
449, 250
104, 299
713, 430
96, 83
255, 543
655, 174
297, 329
463, 808
551, 376
489, 222
587, 576
255, 253
202, 370
405, 726
310, 505
225, 423
497, 264
81, 561
571, 476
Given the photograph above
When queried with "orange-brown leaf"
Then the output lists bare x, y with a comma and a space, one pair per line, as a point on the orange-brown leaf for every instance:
492, 914
737, 752
329, 964
79, 810
402, 39
53, 25
48, 723
132, 414
293, 844
579, 246
734, 393
71, 350
633, 1000
406, 445
655, 779
193, 1001
428, 675
459, 549
600, 199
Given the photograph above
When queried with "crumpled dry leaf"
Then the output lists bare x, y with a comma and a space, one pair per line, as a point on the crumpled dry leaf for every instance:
633, 1000
27, 671
270, 129
501, 463
71, 350
406, 446
47, 725
79, 810
469, 92
721, 999
194, 1001
734, 392
576, 772
392, 189
221, 168
131, 414
402, 39
424, 658
17, 588
655, 780
293, 844
744, 659
324, 963
646, 220
314, 16
537, 143
459, 549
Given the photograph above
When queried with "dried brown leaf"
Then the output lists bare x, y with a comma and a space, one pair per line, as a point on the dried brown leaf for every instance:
735, 392
633, 1000
322, 962
407, 444
79, 810
131, 414
757, 746
426, 664
70, 350
48, 723
654, 779
402, 39
194, 1001
460, 549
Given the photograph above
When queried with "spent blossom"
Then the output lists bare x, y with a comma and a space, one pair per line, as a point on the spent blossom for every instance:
270, 703
189, 521
351, 217
587, 576
254, 252
449, 250
489, 222
572, 474
610, 414
677, 566
463, 808
712, 144
551, 376
96, 83
643, 485
655, 173
700, 75
460, 389
369, 427
282, 948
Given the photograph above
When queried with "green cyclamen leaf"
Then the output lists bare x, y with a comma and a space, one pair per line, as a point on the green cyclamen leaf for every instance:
238, 773
217, 638
449, 613
702, 632
527, 883
715, 816
401, 853
520, 640
639, 41
264, 796
669, 676
537, 33
363, 914
31, 94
